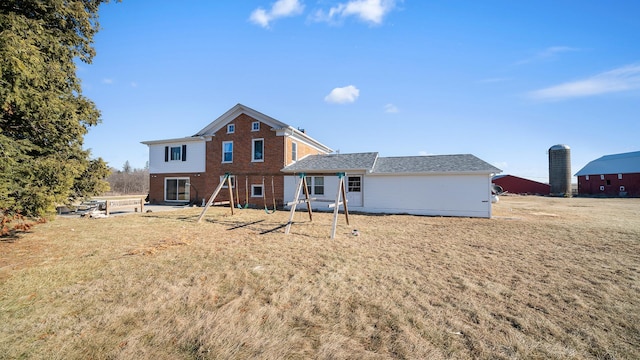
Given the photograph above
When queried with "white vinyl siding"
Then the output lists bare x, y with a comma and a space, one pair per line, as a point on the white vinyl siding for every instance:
194, 160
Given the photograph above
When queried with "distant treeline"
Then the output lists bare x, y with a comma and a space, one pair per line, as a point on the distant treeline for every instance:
128, 180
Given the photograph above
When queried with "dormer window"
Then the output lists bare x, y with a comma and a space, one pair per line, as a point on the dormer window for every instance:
231, 128
255, 126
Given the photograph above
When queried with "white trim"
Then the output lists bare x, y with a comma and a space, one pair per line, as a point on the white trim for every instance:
178, 140
253, 187
231, 128
223, 152
253, 128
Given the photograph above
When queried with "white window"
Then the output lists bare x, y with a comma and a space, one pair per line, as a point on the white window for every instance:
354, 184
601, 188
294, 151
176, 189
227, 151
231, 128
255, 126
619, 176
257, 149
601, 177
233, 181
586, 177
315, 185
256, 191
622, 188
175, 153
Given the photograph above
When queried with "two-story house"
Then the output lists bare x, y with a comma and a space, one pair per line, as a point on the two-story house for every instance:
243, 142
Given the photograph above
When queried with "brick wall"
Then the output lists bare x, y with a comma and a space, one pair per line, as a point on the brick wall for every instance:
277, 154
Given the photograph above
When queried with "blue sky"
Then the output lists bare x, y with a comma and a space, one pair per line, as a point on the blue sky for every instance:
501, 79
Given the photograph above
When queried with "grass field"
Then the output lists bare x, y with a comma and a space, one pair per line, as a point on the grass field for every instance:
546, 278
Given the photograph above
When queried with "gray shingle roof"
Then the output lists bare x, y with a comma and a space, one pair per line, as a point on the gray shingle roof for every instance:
433, 164
334, 162
370, 162
625, 163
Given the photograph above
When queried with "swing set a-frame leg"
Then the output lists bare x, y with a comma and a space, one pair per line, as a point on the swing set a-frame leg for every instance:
302, 184
341, 193
227, 179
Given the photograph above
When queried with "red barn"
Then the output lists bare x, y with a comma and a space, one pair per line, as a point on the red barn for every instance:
517, 185
611, 175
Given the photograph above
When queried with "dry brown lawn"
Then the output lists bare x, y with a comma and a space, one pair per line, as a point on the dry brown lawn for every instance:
546, 278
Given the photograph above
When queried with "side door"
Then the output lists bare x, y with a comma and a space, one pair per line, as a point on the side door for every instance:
354, 190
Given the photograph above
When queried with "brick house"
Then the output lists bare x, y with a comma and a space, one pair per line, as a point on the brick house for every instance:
251, 146
611, 175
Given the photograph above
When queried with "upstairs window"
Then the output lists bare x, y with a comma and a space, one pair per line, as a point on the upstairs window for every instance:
255, 126
294, 151
601, 177
175, 153
257, 150
619, 176
231, 128
586, 177
227, 151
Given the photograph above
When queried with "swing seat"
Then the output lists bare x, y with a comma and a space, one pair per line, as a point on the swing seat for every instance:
268, 211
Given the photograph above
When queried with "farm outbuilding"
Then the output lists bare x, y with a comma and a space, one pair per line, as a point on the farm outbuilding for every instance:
437, 185
517, 185
611, 175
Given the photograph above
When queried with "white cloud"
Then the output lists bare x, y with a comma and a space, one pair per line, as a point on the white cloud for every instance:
279, 9
134, 84
625, 78
370, 11
548, 53
107, 81
343, 95
390, 108
425, 153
